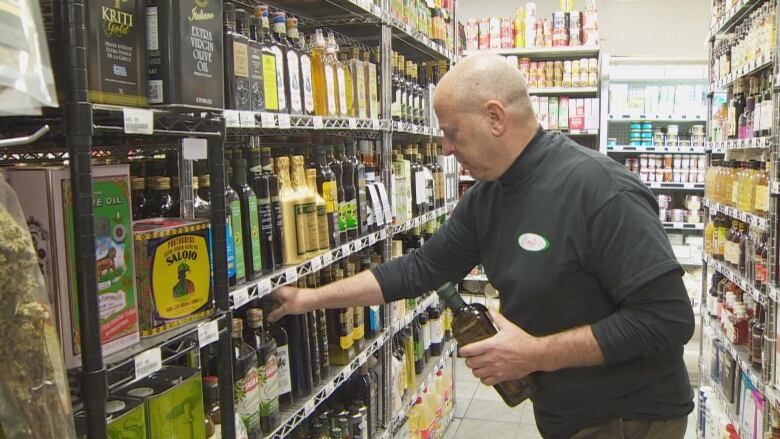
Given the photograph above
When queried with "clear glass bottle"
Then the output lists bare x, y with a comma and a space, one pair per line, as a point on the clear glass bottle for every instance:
357, 72
349, 86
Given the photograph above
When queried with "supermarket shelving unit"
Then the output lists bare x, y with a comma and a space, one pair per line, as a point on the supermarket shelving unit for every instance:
639, 73
763, 380
83, 131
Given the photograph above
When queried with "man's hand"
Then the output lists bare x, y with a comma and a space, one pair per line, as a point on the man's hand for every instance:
291, 300
509, 355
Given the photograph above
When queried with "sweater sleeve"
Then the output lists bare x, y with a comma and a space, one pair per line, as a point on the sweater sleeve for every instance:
653, 319
447, 257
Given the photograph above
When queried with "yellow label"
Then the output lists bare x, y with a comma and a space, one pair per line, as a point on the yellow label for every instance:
270, 88
342, 91
762, 198
180, 277
329, 193
240, 60
360, 83
372, 85
345, 334
735, 192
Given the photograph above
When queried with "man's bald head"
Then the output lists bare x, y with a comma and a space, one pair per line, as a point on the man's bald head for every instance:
480, 78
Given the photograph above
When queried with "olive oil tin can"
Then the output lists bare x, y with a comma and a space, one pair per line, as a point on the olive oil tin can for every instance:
173, 273
125, 418
185, 52
173, 400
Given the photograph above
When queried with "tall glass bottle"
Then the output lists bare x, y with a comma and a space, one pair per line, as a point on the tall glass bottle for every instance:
284, 380
256, 74
259, 185
348, 179
349, 86
267, 368
359, 180
338, 77
300, 360
233, 212
358, 74
245, 382
471, 323
282, 26
310, 319
211, 410
294, 245
305, 212
322, 329
373, 84
358, 326
307, 81
340, 340
335, 164
278, 51
250, 227
236, 50
324, 77
326, 187
269, 66
322, 214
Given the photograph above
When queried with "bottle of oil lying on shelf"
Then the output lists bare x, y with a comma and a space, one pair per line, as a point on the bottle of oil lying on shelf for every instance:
471, 323
258, 338
245, 382
236, 45
250, 227
233, 218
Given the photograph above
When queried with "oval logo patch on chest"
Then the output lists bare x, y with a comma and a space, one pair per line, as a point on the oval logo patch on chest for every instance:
533, 242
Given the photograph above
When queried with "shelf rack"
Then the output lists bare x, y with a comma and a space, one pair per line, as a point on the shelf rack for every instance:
543, 52
102, 131
658, 149
739, 144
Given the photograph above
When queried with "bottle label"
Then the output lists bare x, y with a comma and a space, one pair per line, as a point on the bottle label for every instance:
231, 256
437, 330
240, 60
269, 388
238, 238
420, 194
359, 331
284, 380
266, 227
345, 334
762, 198
330, 195
270, 89
395, 107
308, 93
257, 75
373, 96
426, 332
721, 240
419, 349
767, 113
343, 214
352, 220
276, 206
322, 227
302, 213
374, 318
330, 87
342, 90
248, 400
295, 86
360, 82
254, 228
280, 77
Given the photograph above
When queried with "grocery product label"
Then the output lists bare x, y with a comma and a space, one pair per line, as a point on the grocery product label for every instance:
248, 399
284, 381
270, 88
295, 86
254, 228
280, 77
330, 86
268, 386
308, 94
238, 238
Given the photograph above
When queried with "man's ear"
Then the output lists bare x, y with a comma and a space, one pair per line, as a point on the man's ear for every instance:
497, 116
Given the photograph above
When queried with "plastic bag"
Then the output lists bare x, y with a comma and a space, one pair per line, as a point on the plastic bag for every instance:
34, 394
26, 77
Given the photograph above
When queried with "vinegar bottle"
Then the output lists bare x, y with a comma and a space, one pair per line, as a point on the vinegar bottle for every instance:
471, 323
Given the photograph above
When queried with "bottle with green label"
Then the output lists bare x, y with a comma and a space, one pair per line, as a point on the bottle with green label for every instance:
250, 226
233, 222
349, 208
246, 393
334, 162
260, 340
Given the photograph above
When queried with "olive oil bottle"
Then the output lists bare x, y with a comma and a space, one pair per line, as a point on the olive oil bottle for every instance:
233, 213
341, 342
358, 327
322, 214
294, 246
471, 323
250, 227
306, 211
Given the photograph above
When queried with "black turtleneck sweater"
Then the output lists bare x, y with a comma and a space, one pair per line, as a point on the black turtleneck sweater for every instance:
570, 238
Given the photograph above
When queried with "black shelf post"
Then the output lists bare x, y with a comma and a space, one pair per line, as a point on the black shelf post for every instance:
78, 139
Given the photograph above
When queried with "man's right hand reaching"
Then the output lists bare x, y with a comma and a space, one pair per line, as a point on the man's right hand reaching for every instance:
361, 289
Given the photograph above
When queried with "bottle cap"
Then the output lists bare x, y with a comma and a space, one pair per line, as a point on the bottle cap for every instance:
449, 294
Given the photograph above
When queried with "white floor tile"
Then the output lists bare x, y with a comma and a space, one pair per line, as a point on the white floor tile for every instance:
478, 429
488, 410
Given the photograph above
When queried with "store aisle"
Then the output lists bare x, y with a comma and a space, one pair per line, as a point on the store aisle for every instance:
481, 414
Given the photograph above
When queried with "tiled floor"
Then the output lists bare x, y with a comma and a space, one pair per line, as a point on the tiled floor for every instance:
480, 413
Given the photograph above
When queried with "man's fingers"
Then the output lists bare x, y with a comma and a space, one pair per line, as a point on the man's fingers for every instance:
476, 362
499, 320
474, 349
490, 381
276, 314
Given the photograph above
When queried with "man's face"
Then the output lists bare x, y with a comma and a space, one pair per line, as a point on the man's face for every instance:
468, 137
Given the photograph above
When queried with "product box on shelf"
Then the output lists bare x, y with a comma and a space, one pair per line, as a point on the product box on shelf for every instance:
173, 272
185, 52
126, 418
45, 196
173, 399
563, 113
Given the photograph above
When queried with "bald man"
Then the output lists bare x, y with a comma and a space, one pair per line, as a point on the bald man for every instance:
592, 299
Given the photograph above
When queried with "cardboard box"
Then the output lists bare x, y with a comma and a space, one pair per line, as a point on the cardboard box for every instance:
45, 197
173, 399
544, 112
592, 114
173, 273
553, 113
563, 113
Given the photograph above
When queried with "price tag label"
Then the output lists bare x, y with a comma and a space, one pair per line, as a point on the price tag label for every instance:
308, 408
208, 333
317, 122
240, 297
346, 250
327, 258
352, 123
268, 120
291, 275
247, 119
382, 234
371, 239
316, 264
138, 120
284, 120
232, 119
148, 362
329, 387
375, 124
194, 149
362, 358
264, 287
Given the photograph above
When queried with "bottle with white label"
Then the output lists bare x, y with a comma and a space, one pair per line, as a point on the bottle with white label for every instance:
264, 345
284, 382
307, 81
436, 323
278, 54
245, 382
289, 41
341, 90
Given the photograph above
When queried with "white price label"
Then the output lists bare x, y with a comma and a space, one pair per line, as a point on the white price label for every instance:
316, 263
372, 239
232, 119
362, 358
327, 258
138, 120
240, 297
308, 408
268, 120
284, 120
382, 235
148, 362
375, 124
346, 250
247, 119
352, 123
264, 287
208, 333
194, 149
317, 122
357, 246
291, 275
329, 388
